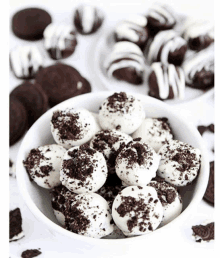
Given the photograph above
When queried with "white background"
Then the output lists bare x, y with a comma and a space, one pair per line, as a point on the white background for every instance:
197, 112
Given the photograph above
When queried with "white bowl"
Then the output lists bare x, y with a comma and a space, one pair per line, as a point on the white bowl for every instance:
38, 199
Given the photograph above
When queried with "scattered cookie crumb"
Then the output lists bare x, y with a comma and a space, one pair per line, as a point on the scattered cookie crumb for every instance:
15, 225
204, 232
30, 253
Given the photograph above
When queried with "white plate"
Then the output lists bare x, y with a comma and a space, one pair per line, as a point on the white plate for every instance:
103, 48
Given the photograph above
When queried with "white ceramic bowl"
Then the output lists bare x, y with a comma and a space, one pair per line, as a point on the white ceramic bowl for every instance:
38, 199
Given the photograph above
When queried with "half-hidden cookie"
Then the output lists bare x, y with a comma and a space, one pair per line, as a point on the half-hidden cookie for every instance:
33, 98
18, 120
30, 23
61, 82
210, 190
88, 19
60, 40
25, 61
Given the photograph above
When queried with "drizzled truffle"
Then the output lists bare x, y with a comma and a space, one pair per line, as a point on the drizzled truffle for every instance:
133, 29
166, 82
59, 196
198, 34
109, 143
125, 63
25, 61
83, 169
59, 40
170, 200
160, 17
167, 47
180, 163
43, 165
199, 69
154, 132
137, 210
137, 163
88, 19
88, 214
122, 112
72, 127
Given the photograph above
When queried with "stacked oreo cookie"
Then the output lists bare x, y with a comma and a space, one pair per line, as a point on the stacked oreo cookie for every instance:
153, 46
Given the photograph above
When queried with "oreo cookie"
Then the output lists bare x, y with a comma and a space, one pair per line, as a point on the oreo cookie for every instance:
61, 82
15, 225
30, 23
210, 190
18, 120
33, 98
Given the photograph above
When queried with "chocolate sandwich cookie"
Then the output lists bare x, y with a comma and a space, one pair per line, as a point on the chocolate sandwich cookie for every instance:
33, 98
160, 17
167, 47
88, 19
25, 61
61, 82
15, 225
18, 120
198, 34
30, 253
126, 63
199, 69
60, 40
210, 191
133, 29
30, 23
204, 232
166, 82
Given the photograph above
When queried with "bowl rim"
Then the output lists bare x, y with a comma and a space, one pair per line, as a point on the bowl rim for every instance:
53, 226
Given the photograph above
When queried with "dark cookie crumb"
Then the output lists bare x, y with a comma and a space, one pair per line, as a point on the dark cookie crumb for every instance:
209, 195
204, 233
30, 253
15, 223
202, 128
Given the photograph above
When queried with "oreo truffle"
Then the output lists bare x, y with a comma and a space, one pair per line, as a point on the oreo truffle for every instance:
180, 163
61, 82
170, 200
43, 165
25, 61
121, 111
71, 127
59, 196
33, 98
88, 215
109, 143
204, 232
166, 82
30, 23
15, 225
199, 34
132, 29
18, 120
137, 163
83, 170
160, 17
88, 19
137, 210
167, 47
125, 63
60, 40
154, 132
199, 69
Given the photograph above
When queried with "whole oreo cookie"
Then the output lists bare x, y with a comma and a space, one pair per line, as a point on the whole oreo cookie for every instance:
61, 82
33, 98
25, 61
60, 40
88, 19
30, 23
17, 119
210, 191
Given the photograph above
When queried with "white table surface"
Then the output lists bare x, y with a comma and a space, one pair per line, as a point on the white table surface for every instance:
200, 111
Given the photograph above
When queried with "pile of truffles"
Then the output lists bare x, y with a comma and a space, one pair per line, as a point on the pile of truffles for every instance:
115, 174
170, 51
